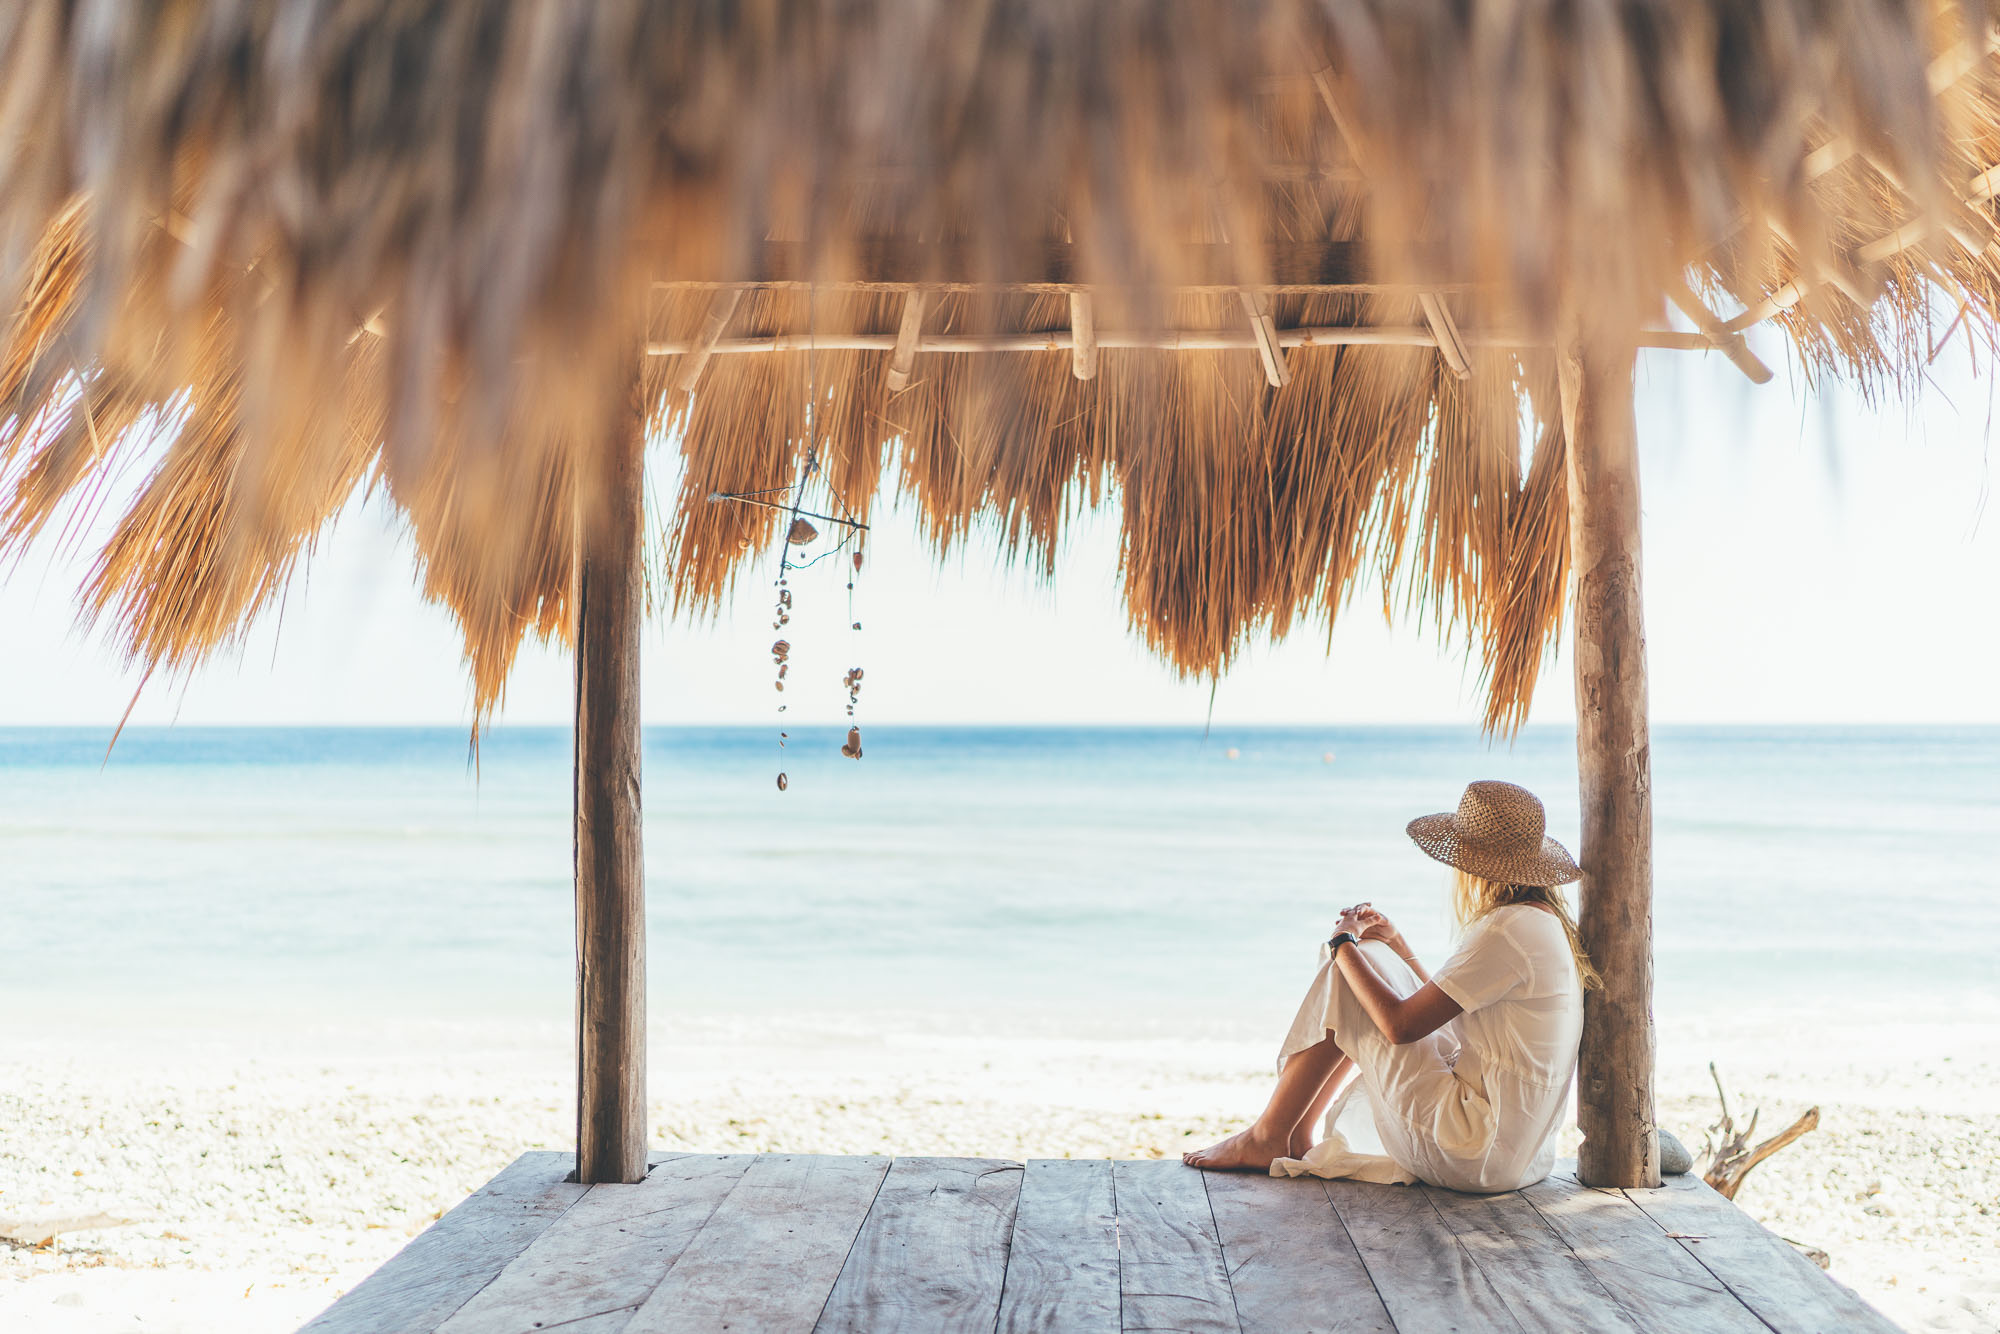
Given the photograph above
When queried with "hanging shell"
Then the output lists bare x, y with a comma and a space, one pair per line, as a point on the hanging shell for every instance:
801, 533
783, 782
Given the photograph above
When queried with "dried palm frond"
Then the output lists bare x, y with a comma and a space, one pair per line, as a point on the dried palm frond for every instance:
268, 252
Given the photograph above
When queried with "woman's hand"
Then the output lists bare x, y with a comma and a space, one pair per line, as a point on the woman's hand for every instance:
1368, 924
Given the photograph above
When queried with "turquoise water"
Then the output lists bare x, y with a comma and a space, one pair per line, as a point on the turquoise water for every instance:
1132, 872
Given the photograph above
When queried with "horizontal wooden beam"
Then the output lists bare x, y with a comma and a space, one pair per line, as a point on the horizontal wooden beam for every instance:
1170, 340
884, 262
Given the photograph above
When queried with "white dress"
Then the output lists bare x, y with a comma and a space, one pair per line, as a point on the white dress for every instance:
1474, 1106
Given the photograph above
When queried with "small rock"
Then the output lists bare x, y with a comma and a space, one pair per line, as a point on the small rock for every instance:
1675, 1160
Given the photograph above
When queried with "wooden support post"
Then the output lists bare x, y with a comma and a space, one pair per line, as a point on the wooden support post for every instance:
610, 870
1621, 1145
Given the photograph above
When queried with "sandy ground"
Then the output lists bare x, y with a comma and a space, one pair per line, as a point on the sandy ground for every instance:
265, 1173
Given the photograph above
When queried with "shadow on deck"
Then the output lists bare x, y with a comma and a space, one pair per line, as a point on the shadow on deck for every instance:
776, 1242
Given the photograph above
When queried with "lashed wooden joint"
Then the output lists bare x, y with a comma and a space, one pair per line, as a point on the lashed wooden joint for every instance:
1083, 336
909, 334
1450, 343
1878, 251
1835, 271
1731, 345
1963, 223
1322, 80
1264, 332
1962, 60
721, 309
1943, 73
1437, 315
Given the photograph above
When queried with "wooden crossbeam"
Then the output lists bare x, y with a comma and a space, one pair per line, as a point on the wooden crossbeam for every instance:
885, 262
1836, 273
1083, 336
1170, 340
720, 311
1444, 330
1437, 315
1944, 73
1731, 345
904, 359
1264, 335
1883, 248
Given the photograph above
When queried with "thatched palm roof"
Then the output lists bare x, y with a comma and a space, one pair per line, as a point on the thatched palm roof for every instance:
331, 243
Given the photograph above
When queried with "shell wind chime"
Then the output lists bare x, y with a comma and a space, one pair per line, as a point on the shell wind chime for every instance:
801, 533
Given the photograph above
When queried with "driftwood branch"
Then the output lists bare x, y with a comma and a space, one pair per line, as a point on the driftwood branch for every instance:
1731, 1156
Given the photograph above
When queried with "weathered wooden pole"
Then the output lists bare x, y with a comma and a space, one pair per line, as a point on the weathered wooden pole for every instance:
610, 870
1621, 1145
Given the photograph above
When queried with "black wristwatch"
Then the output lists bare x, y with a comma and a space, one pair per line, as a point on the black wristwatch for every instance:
1344, 938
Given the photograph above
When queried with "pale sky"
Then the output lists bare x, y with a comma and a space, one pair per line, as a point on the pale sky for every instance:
1807, 559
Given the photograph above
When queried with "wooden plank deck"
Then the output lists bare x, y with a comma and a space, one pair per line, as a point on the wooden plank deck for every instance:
803, 1242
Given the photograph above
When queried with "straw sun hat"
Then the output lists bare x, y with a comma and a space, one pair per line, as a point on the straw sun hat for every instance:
1499, 833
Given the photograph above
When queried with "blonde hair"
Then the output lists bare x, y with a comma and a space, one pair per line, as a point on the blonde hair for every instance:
1472, 897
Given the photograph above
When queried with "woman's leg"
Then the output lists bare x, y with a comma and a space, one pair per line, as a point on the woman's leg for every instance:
1305, 1086
1306, 1133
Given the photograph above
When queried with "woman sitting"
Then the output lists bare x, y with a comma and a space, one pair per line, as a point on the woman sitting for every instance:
1466, 1071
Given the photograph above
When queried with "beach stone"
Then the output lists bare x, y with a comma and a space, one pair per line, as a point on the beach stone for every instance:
1674, 1157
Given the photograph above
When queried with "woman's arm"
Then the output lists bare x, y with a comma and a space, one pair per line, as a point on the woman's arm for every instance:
1401, 1019
1378, 927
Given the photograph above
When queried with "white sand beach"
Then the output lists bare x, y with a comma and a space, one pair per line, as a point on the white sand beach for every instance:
267, 1171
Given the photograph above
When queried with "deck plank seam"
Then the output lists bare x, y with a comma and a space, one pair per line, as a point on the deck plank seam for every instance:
859, 1227
1326, 1189
1221, 1251
1585, 1265
1013, 1225
579, 1319
1695, 1255
492, 1277
699, 1228
1470, 1257
1118, 1244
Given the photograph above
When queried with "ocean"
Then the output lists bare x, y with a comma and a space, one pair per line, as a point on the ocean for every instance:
1116, 877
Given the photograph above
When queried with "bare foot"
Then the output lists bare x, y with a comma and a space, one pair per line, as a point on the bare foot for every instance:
1302, 1140
1246, 1151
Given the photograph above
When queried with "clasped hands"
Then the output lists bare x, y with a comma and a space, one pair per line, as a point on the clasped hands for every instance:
1367, 924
